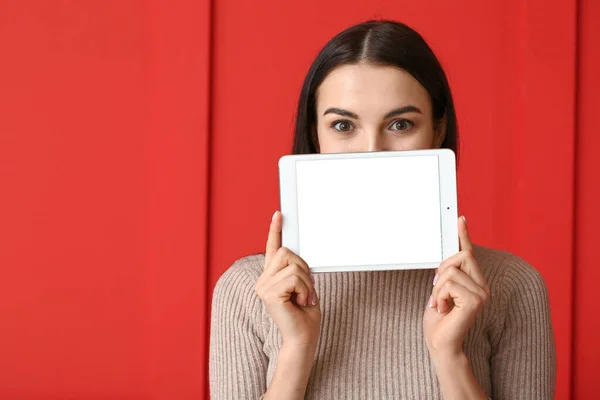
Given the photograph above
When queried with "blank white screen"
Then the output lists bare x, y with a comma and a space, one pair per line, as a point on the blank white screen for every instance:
369, 211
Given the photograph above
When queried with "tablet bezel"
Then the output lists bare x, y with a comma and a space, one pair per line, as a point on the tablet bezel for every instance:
448, 203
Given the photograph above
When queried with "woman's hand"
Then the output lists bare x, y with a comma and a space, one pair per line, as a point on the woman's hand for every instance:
286, 289
459, 293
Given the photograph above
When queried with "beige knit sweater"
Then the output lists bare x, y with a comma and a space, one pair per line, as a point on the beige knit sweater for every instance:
372, 344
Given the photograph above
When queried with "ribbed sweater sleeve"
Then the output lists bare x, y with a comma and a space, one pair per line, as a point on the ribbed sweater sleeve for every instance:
238, 365
523, 363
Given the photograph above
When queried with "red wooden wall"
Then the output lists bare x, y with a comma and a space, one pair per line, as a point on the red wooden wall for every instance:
138, 150
104, 113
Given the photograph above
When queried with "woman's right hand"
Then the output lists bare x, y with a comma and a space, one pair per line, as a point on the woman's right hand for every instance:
287, 291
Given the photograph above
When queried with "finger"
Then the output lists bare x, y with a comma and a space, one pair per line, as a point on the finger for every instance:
281, 259
284, 289
454, 260
458, 276
460, 296
465, 246
294, 269
274, 237
465, 260
464, 239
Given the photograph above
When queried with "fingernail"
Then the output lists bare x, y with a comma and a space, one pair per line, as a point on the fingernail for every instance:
430, 304
273, 217
435, 279
312, 279
438, 310
464, 219
313, 299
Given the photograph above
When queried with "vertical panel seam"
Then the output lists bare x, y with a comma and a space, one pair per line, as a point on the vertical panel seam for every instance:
575, 214
208, 185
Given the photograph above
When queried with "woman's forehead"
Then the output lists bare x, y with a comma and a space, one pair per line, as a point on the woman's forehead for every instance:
369, 88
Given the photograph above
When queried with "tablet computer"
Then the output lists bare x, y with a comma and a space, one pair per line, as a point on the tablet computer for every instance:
370, 211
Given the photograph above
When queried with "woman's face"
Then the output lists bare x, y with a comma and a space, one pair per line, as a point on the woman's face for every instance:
364, 107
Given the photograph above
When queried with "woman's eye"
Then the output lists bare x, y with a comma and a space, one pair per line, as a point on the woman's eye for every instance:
401, 125
342, 126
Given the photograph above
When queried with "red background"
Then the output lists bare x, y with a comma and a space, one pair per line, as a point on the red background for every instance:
138, 150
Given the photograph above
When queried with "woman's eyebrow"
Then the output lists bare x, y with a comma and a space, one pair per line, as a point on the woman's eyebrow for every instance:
402, 110
342, 112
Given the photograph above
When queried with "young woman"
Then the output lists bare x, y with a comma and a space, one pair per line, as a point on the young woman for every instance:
477, 327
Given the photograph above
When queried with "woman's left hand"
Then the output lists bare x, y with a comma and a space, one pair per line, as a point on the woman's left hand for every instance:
459, 293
